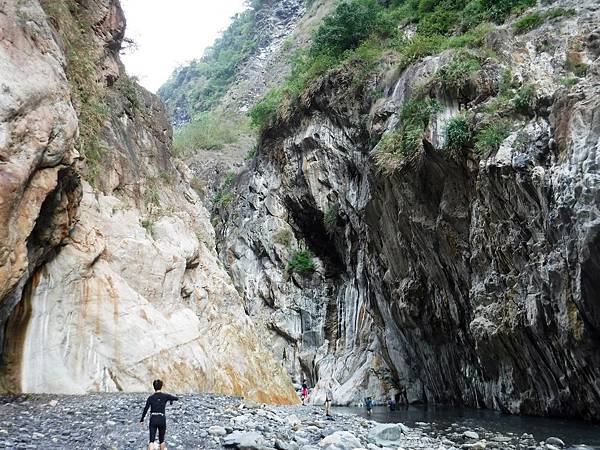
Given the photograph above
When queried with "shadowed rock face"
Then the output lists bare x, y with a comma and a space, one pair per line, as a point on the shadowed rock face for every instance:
105, 286
456, 278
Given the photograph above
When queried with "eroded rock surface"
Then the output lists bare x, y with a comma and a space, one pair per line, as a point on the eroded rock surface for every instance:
37, 130
109, 276
458, 278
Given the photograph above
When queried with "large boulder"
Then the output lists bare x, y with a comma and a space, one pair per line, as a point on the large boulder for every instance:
252, 440
387, 434
340, 440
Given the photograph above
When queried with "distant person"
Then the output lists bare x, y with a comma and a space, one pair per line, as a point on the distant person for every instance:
369, 405
304, 392
392, 404
328, 400
158, 421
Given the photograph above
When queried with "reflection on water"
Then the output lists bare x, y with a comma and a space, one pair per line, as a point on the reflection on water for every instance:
572, 432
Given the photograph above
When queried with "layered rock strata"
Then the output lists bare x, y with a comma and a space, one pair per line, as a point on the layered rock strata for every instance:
109, 277
454, 276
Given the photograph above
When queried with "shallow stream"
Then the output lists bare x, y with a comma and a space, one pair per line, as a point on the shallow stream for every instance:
576, 434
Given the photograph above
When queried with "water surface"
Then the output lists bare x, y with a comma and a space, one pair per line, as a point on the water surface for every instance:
573, 433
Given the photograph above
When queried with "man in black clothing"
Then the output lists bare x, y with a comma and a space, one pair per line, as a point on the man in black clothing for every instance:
158, 421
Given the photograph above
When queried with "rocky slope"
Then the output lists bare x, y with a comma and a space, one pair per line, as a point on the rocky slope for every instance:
108, 275
273, 30
455, 276
276, 30
215, 422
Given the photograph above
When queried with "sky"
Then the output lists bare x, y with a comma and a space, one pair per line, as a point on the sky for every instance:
170, 33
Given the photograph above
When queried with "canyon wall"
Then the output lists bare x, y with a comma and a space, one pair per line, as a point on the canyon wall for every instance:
109, 277
454, 275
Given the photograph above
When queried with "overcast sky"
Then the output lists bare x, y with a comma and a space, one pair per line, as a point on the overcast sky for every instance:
170, 33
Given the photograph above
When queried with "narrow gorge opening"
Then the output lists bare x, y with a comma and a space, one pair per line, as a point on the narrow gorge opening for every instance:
387, 199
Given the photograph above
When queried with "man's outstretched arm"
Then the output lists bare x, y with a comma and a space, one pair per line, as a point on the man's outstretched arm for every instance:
145, 410
172, 398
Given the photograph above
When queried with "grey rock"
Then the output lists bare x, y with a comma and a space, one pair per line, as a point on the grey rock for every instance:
340, 440
460, 257
251, 440
216, 430
386, 434
286, 445
555, 441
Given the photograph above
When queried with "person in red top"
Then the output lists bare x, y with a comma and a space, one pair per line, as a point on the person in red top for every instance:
158, 421
304, 392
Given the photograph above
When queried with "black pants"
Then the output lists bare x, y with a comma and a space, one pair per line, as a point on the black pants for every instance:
158, 423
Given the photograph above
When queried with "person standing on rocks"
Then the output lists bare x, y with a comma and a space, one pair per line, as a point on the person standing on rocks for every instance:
304, 392
158, 421
328, 400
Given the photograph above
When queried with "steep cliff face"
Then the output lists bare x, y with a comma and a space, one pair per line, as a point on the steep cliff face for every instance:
37, 131
109, 275
461, 274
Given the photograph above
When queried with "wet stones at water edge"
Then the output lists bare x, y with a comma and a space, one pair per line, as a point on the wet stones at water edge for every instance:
109, 421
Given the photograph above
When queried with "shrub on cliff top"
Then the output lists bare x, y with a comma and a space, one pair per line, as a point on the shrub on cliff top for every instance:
365, 29
404, 142
491, 137
457, 133
348, 26
455, 74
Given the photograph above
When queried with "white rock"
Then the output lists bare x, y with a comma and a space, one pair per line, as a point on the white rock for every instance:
115, 285
480, 445
340, 440
293, 420
471, 435
387, 434
247, 441
555, 441
217, 431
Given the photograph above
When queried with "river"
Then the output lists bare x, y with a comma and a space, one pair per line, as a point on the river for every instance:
576, 434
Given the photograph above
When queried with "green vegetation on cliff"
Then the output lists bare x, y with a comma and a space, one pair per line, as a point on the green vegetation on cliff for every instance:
407, 140
74, 26
199, 86
302, 262
364, 30
209, 131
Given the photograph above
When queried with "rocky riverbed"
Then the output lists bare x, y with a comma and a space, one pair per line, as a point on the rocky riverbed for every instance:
111, 421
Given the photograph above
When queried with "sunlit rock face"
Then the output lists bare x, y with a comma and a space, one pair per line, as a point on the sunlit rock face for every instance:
108, 314
106, 288
456, 278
